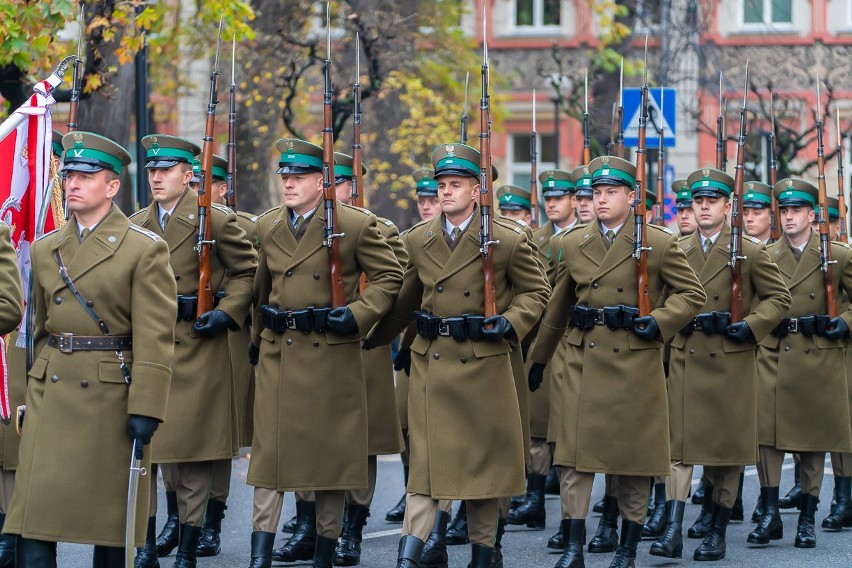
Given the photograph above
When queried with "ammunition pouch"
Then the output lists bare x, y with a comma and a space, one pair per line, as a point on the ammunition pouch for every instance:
806, 325
187, 306
305, 320
460, 328
710, 323
613, 317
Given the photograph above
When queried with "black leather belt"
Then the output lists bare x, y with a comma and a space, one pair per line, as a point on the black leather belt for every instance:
613, 317
460, 328
188, 305
710, 323
806, 325
68, 342
305, 320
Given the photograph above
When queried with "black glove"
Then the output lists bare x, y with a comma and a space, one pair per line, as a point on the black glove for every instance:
739, 332
500, 328
213, 323
254, 354
141, 429
367, 345
402, 361
536, 375
341, 321
646, 327
837, 328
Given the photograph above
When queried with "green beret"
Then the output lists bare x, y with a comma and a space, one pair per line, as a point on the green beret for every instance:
459, 160
793, 192
709, 182
513, 198
427, 186
165, 151
612, 170
89, 152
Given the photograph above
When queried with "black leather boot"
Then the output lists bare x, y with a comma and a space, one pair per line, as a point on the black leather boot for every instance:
793, 498
187, 547
434, 553
261, 549
324, 554
757, 514
410, 549
713, 547
551, 483
303, 543
670, 545
654, 525
531, 512
805, 533
770, 527
210, 543
108, 557
598, 507
146, 557
625, 556
7, 546
457, 531
33, 553
557, 542
573, 533
497, 554
167, 540
738, 513
481, 556
397, 514
841, 514
698, 496
290, 525
348, 551
606, 537
701, 527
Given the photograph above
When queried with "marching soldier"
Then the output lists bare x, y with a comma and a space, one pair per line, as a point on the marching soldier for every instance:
619, 419
683, 204
310, 428
712, 390
471, 446
104, 299
514, 203
803, 403
757, 202
428, 205
583, 194
200, 427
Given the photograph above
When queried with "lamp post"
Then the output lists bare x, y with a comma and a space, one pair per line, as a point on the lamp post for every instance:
559, 84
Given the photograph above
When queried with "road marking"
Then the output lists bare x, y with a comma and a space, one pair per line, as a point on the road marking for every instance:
380, 534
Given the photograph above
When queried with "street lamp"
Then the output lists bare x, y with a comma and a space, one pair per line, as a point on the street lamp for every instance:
559, 85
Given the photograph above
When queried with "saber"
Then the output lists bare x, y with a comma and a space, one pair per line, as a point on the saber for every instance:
136, 470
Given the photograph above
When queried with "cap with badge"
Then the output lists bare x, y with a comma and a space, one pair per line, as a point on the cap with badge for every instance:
89, 152
650, 198
343, 169
457, 160
165, 151
683, 195
612, 170
710, 182
298, 156
427, 185
513, 198
56, 145
582, 181
556, 183
793, 192
756, 195
833, 208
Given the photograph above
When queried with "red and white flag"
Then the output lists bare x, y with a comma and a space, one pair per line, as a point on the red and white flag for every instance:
25, 157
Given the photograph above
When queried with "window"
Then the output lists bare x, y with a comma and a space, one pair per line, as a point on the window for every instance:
520, 153
767, 12
531, 14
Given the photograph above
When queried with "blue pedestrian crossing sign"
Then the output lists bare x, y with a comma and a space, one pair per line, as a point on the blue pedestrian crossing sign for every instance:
665, 97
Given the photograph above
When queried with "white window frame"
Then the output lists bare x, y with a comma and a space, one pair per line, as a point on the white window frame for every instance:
538, 27
767, 25
524, 167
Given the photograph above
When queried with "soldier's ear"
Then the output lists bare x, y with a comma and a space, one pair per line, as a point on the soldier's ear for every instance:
113, 185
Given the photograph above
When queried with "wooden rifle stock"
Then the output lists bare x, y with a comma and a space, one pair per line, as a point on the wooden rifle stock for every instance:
640, 235
822, 220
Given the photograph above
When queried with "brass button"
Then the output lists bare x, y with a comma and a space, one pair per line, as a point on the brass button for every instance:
615, 349
84, 383
436, 356
592, 345
440, 289
54, 379
467, 292
316, 276
463, 359
58, 300
289, 341
288, 273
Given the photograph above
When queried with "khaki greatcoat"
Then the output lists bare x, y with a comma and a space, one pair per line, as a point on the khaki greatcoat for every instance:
11, 312
241, 369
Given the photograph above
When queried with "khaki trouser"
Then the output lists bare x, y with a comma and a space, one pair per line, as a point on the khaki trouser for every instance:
268, 504
679, 482
540, 456
220, 486
305, 496
170, 479
841, 464
420, 513
611, 485
364, 496
575, 492
724, 479
170, 476
811, 468
192, 486
7, 485
503, 505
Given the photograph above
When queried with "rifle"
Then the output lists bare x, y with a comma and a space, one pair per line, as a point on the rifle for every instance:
610, 146
76, 78
533, 173
619, 114
357, 159
331, 231
231, 191
843, 235
822, 218
464, 116
774, 214
735, 257
486, 235
659, 214
587, 147
203, 244
721, 135
640, 236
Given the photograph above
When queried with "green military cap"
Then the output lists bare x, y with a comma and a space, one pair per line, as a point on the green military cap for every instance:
513, 198
427, 186
556, 183
165, 151
683, 195
793, 192
298, 156
710, 182
612, 170
196, 170
457, 160
650, 198
833, 208
57, 143
343, 167
582, 181
220, 169
89, 152
756, 195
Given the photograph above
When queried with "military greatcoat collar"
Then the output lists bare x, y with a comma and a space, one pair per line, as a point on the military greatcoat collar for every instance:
717, 258
620, 251
311, 241
809, 261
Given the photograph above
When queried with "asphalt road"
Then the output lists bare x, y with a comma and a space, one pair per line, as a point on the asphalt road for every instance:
522, 547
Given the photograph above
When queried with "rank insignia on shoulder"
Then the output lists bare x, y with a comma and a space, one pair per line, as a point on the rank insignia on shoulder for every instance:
389, 223
146, 232
753, 239
50, 233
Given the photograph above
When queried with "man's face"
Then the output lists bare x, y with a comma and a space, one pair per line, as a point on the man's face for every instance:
710, 213
585, 209
834, 229
457, 194
220, 188
517, 215
168, 184
302, 192
428, 207
86, 192
343, 192
612, 203
686, 221
757, 222
560, 210
797, 221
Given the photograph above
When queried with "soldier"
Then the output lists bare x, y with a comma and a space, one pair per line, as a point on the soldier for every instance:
428, 205
514, 203
809, 416
200, 426
310, 429
683, 203
712, 390
471, 445
757, 202
583, 194
103, 298
619, 419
